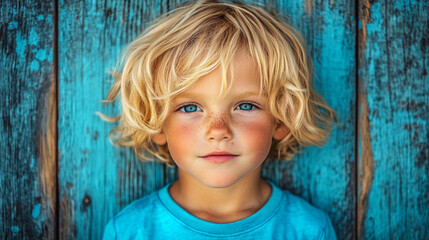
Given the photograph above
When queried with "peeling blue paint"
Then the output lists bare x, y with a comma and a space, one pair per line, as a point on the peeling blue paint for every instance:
21, 45
12, 25
49, 18
15, 229
100, 26
131, 14
50, 55
36, 210
34, 65
14, 11
40, 17
41, 55
32, 161
33, 38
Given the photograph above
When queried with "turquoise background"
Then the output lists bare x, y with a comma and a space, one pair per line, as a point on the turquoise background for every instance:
60, 177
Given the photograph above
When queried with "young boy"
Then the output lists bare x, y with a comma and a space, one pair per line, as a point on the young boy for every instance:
215, 88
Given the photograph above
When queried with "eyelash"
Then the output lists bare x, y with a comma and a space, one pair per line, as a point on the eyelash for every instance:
182, 107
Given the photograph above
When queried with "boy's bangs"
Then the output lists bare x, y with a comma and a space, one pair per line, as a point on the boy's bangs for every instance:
213, 47
214, 44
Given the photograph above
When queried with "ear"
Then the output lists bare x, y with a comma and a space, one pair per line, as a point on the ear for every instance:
159, 138
280, 132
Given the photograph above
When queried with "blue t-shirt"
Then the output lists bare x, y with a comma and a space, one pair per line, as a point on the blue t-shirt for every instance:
157, 216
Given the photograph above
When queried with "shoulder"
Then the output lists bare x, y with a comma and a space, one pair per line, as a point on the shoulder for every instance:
133, 217
302, 209
139, 207
303, 218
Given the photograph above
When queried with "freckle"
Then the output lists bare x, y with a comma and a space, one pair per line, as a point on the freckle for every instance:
206, 119
220, 121
238, 124
224, 119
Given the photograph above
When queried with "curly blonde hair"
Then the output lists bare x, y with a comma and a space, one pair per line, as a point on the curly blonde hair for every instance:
192, 40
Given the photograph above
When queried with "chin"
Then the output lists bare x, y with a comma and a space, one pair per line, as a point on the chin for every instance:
219, 182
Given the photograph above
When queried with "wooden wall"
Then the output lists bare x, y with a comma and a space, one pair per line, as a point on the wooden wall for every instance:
60, 177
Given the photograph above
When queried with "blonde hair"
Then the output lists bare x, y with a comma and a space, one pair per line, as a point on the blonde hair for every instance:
189, 42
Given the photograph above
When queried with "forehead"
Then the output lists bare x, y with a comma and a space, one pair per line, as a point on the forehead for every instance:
240, 76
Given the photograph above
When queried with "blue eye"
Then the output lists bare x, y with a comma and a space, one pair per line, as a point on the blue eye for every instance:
189, 108
246, 107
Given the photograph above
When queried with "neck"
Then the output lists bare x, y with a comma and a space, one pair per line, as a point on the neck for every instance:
221, 205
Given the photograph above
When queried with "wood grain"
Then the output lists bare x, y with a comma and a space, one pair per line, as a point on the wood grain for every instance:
96, 180
371, 177
325, 176
312, 175
394, 115
28, 126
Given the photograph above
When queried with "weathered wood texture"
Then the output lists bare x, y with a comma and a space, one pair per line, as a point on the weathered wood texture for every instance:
96, 180
84, 149
326, 176
28, 120
374, 185
393, 116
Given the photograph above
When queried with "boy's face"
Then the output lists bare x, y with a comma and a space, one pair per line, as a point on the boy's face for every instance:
220, 140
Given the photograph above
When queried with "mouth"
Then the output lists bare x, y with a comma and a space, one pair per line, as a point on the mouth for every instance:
219, 157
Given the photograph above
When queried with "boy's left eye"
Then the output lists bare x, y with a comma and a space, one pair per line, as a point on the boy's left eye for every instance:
246, 107
190, 108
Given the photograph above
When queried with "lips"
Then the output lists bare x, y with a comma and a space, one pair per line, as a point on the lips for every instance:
219, 157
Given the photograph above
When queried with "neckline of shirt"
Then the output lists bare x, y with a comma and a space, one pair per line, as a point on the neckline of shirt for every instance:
239, 227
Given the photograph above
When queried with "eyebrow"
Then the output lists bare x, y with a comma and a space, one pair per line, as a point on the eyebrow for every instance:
201, 95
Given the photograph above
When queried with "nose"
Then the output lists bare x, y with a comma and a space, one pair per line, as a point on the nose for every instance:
219, 129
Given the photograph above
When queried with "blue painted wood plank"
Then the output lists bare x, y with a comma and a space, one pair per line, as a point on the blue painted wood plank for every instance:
28, 120
96, 180
326, 176
394, 120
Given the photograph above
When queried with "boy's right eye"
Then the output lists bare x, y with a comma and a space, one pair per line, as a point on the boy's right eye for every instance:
190, 108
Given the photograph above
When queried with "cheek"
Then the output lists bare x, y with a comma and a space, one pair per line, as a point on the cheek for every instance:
179, 131
180, 136
256, 135
179, 127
